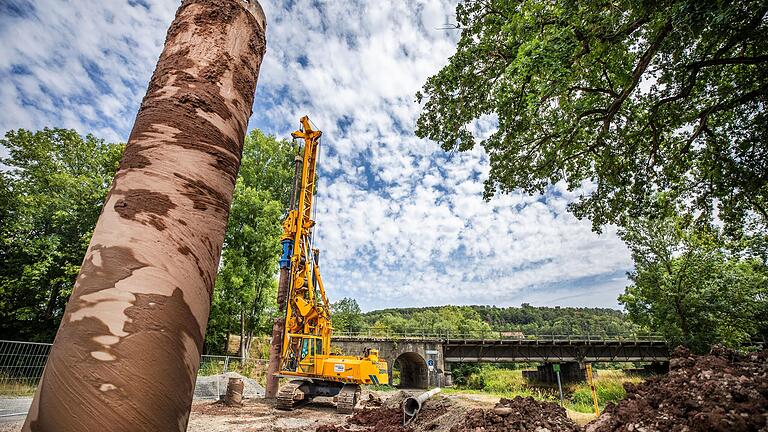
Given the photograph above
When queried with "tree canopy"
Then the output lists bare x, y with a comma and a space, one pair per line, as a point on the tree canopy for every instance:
244, 300
526, 319
687, 286
634, 98
51, 193
346, 316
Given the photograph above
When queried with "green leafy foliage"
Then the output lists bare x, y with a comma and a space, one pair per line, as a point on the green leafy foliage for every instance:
527, 320
435, 321
244, 300
632, 96
508, 382
52, 187
346, 316
689, 287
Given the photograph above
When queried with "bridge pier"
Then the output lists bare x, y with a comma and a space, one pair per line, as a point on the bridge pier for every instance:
570, 372
447, 375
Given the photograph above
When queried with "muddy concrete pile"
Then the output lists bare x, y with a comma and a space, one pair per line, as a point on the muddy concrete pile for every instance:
518, 415
722, 391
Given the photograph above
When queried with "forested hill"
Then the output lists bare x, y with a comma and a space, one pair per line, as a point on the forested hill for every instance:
526, 318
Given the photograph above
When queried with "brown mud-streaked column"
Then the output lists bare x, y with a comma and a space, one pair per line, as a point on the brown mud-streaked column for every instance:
128, 348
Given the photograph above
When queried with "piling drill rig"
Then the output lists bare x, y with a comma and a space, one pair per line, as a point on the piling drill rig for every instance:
305, 356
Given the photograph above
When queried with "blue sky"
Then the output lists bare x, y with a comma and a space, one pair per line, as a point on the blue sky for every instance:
400, 222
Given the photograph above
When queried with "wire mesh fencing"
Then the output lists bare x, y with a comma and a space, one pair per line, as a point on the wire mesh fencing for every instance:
22, 364
215, 371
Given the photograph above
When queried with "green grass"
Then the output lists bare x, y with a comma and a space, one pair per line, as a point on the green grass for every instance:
609, 386
211, 368
536, 393
252, 369
16, 389
506, 383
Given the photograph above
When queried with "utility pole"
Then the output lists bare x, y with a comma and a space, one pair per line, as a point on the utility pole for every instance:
126, 354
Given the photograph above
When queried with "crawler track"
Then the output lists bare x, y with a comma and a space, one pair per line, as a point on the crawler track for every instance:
347, 398
286, 396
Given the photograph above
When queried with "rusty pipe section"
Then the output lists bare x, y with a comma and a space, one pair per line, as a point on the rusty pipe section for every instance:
412, 405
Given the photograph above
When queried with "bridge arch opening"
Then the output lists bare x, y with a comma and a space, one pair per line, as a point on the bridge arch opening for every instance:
409, 370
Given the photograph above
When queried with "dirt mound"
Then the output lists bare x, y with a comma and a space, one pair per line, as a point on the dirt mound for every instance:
438, 414
397, 399
373, 401
442, 414
518, 414
331, 428
722, 391
381, 419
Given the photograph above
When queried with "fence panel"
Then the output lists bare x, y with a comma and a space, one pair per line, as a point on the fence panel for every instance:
21, 366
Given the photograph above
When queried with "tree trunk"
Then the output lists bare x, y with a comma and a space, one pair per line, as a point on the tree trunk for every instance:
254, 317
128, 348
55, 290
243, 348
249, 342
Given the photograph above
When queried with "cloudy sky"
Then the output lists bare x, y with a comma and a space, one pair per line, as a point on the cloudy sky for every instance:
400, 222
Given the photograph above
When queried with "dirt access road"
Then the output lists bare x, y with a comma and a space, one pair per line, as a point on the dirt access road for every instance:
255, 415
260, 415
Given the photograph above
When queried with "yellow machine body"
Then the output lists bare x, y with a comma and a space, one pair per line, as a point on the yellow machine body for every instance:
343, 369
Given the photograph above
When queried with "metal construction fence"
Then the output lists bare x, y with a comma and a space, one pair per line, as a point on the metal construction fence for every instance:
22, 364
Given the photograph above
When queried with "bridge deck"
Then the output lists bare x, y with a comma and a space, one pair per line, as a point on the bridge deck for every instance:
555, 348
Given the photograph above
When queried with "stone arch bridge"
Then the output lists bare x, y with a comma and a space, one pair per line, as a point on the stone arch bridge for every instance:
426, 361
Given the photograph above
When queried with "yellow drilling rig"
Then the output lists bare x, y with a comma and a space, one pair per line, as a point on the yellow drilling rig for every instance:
305, 355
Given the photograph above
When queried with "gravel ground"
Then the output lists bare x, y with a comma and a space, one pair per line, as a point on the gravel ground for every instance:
13, 410
259, 415
213, 386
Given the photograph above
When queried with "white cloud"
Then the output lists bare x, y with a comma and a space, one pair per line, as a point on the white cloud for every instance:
80, 64
400, 222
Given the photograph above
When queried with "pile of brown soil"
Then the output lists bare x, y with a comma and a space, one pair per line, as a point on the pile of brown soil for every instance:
372, 401
381, 419
722, 391
437, 415
518, 415
331, 428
